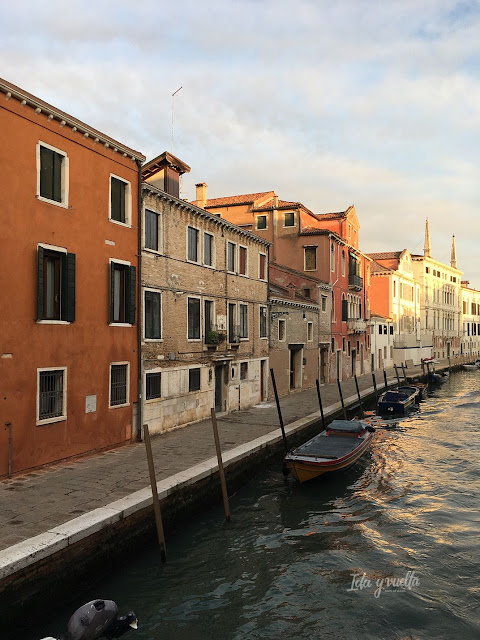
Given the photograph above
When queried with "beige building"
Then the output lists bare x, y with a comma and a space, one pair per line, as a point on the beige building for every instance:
470, 343
204, 313
440, 301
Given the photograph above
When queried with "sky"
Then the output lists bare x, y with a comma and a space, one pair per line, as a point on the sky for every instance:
330, 103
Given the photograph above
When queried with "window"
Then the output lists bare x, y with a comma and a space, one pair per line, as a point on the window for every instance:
153, 314
55, 284
307, 292
310, 258
208, 316
208, 249
243, 308
333, 344
122, 293
194, 318
380, 329
281, 330
394, 289
52, 174
242, 260
261, 222
232, 334
194, 379
289, 219
120, 200
151, 229
263, 322
51, 395
192, 244
243, 370
324, 303
230, 256
310, 331
343, 262
262, 266
332, 257
153, 385
119, 384
391, 329
343, 345
385, 329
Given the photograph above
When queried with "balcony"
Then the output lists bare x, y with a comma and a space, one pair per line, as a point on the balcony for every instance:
214, 338
355, 282
356, 325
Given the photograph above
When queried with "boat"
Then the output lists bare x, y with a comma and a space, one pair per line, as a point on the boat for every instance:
472, 366
411, 388
341, 444
422, 389
397, 401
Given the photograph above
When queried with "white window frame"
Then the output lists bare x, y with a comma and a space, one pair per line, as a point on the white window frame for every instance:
199, 298
51, 247
146, 372
309, 331
324, 304
119, 324
265, 337
242, 246
235, 257
128, 201
64, 399
65, 175
145, 339
199, 244
289, 226
126, 404
266, 222
209, 266
260, 253
159, 231
239, 315
283, 323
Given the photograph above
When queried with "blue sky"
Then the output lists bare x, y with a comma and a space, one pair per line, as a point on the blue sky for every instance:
365, 102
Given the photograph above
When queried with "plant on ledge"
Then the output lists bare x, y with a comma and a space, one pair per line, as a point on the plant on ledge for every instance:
214, 337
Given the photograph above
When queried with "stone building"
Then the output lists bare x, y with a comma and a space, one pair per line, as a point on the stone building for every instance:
440, 300
382, 338
205, 328
470, 341
68, 367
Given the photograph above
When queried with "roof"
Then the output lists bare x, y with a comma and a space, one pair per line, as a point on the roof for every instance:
315, 231
376, 267
332, 216
386, 255
164, 159
11, 90
246, 198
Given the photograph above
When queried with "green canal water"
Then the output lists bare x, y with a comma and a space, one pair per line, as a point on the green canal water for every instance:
318, 560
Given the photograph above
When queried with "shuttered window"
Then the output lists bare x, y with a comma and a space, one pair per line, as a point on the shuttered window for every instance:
263, 322
344, 310
310, 258
193, 318
118, 190
243, 311
230, 256
122, 293
151, 229
153, 305
51, 174
262, 265
208, 249
55, 285
192, 242
242, 259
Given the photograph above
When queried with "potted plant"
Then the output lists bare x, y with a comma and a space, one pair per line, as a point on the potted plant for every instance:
214, 338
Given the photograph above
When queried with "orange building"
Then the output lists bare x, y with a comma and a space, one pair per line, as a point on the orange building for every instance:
69, 247
324, 246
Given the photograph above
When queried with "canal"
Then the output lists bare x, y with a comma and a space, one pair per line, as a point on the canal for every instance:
387, 550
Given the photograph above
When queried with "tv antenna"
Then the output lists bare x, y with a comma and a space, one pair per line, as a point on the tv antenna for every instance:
173, 103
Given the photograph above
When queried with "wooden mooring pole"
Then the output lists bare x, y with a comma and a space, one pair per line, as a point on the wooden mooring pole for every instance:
156, 504
341, 398
404, 374
320, 403
359, 396
396, 373
221, 472
279, 411
375, 386
385, 379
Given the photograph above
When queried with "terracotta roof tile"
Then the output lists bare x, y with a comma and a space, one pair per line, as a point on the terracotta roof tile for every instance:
385, 255
375, 267
246, 198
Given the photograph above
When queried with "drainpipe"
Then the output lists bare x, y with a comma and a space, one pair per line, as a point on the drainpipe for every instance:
139, 308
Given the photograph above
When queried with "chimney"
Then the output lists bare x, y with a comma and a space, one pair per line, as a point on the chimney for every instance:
275, 202
201, 195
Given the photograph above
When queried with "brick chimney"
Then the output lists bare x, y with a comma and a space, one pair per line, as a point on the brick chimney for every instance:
201, 194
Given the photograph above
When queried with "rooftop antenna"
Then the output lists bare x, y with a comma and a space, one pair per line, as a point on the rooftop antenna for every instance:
173, 102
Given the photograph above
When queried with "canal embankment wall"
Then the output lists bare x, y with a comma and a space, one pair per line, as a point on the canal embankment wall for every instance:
69, 557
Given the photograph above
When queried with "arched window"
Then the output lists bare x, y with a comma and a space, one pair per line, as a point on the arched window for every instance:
343, 262
332, 257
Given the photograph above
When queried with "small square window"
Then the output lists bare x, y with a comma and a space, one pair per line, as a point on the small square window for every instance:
261, 222
289, 219
51, 394
153, 385
119, 200
243, 370
194, 379
118, 384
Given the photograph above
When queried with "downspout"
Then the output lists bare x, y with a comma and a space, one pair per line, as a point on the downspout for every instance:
139, 307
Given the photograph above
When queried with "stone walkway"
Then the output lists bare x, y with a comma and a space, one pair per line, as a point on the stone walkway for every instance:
40, 500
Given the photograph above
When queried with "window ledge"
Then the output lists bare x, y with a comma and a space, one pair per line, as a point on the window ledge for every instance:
51, 420
150, 400
53, 322
151, 339
118, 406
154, 252
120, 324
63, 205
120, 224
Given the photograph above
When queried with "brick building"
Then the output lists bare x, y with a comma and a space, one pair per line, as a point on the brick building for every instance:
68, 366
205, 324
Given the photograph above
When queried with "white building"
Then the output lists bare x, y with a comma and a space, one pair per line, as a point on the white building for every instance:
470, 343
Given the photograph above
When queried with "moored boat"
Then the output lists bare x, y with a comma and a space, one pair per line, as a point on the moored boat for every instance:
422, 389
397, 401
472, 366
338, 447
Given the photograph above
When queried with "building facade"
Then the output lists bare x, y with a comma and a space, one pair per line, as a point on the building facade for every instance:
382, 340
68, 366
470, 341
205, 326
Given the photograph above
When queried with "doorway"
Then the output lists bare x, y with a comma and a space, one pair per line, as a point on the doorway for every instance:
296, 362
263, 368
219, 388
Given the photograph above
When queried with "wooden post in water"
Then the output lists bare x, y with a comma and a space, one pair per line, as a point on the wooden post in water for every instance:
404, 374
359, 397
221, 472
341, 398
279, 411
156, 504
396, 373
375, 386
385, 378
320, 403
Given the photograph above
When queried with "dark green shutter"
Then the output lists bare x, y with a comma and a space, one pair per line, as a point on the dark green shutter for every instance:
130, 294
46, 172
112, 289
345, 310
40, 254
68, 287
57, 177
